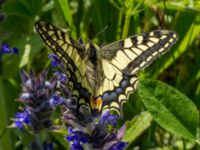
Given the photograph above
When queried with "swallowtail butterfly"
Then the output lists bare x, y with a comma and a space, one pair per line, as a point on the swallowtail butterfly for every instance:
102, 78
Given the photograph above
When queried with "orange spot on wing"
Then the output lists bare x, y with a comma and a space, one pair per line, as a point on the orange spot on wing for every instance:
96, 103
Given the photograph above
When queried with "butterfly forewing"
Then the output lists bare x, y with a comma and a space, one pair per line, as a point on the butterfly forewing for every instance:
72, 56
62, 44
136, 52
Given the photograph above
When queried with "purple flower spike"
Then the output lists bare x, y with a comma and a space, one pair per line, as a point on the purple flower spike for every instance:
57, 100
39, 99
98, 135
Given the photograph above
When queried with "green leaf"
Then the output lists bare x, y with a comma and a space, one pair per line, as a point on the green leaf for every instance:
64, 6
170, 109
23, 7
6, 138
24, 136
65, 9
30, 47
137, 126
59, 136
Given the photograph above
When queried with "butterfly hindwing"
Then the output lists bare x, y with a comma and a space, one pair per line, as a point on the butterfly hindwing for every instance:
114, 98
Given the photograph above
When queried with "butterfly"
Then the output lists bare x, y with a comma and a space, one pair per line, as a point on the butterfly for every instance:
102, 78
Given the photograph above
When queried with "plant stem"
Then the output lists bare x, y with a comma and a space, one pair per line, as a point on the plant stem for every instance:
126, 26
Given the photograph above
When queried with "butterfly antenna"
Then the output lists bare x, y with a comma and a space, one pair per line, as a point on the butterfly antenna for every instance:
100, 32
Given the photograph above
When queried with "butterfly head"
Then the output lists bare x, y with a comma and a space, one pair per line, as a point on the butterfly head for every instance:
93, 52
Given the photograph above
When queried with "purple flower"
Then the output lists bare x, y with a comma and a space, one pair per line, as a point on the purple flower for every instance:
77, 139
15, 50
108, 119
118, 146
55, 60
62, 78
5, 49
57, 100
22, 118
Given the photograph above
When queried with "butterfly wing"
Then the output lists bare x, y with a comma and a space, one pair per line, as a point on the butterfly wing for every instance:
68, 50
73, 56
137, 52
121, 60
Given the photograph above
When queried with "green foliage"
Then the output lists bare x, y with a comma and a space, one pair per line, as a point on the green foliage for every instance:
172, 111
137, 125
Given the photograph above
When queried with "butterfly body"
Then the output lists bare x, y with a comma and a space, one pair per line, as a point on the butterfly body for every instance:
102, 78
93, 67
